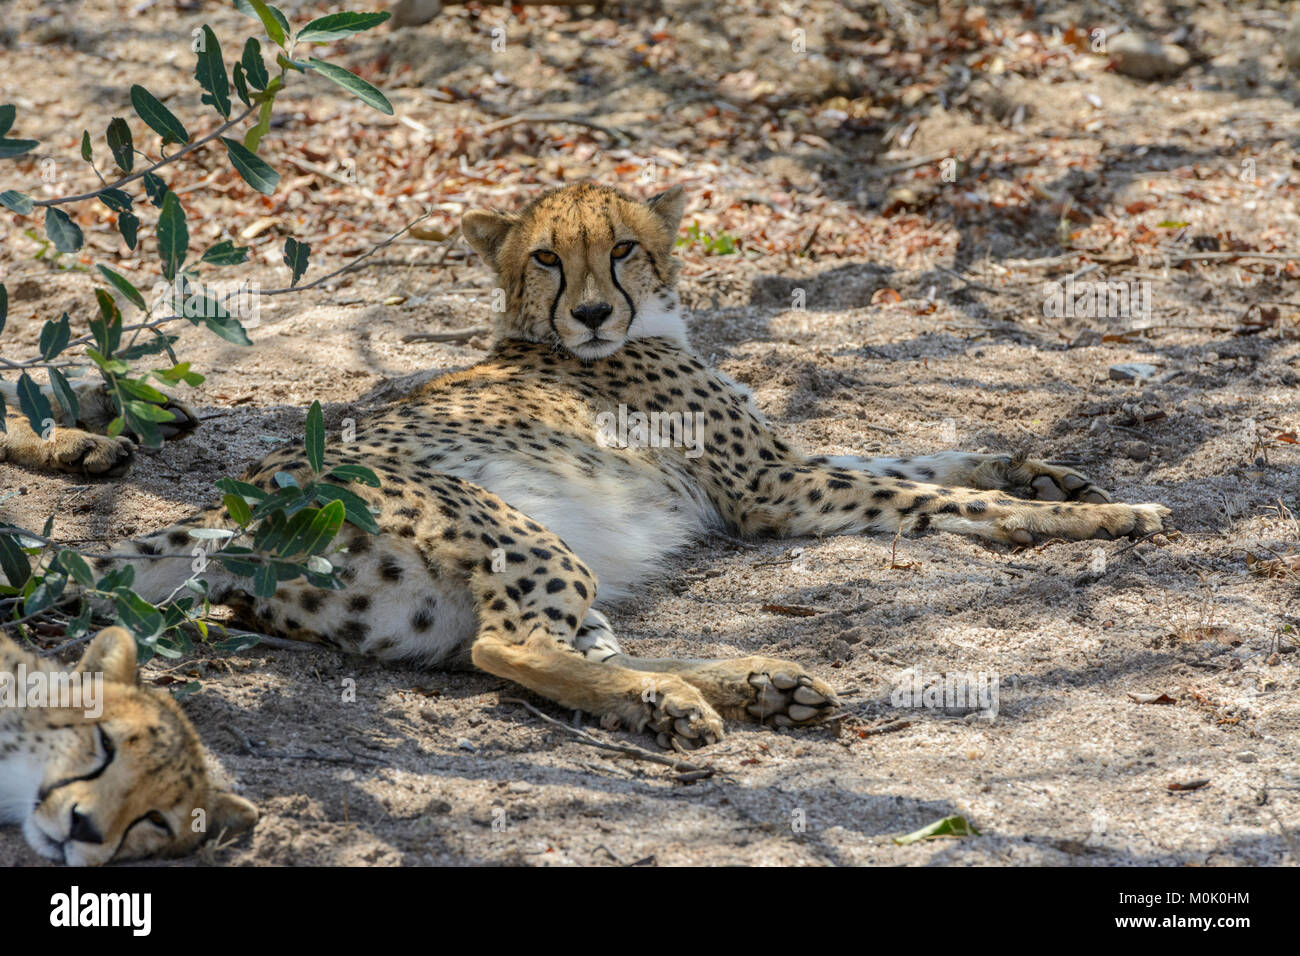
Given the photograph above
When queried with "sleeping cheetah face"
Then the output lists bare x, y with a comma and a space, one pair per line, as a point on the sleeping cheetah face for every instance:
584, 267
132, 783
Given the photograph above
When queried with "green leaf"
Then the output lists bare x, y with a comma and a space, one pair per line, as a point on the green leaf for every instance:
143, 391
339, 25
156, 189
76, 566
68, 400
47, 592
4, 305
225, 253
87, 151
13, 200
353, 84
210, 71
242, 488
139, 617
1172, 224
358, 511
253, 64
228, 328
955, 825
296, 255
128, 224
7, 114
119, 142
146, 411
233, 645
241, 87
358, 473
9, 148
63, 232
13, 562
238, 509
277, 26
173, 236
123, 285
158, 117
55, 337
34, 404
115, 199
315, 437
264, 581
251, 166
321, 525
107, 329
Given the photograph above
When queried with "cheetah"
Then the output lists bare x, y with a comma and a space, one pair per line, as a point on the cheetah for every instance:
512, 507
94, 767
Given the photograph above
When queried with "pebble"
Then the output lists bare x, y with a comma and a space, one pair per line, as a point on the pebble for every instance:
1146, 59
1247, 756
1131, 371
412, 13
1135, 450
465, 744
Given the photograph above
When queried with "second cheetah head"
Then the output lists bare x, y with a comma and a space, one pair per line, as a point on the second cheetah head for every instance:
584, 267
130, 783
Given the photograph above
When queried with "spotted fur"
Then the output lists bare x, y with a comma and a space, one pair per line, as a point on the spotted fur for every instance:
123, 780
505, 519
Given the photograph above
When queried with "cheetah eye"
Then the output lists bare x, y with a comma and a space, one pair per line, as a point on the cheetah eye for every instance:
546, 257
158, 820
623, 249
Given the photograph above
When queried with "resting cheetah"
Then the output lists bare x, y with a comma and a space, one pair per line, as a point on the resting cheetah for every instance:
505, 511
116, 772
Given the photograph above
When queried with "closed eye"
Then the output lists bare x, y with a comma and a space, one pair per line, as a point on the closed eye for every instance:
623, 249
546, 257
105, 745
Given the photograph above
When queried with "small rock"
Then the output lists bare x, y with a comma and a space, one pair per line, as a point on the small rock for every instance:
1247, 756
853, 635
412, 13
1291, 45
1086, 339
1146, 59
465, 744
519, 786
1136, 450
1131, 371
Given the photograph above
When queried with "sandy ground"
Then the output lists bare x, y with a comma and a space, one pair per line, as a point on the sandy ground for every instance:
433, 768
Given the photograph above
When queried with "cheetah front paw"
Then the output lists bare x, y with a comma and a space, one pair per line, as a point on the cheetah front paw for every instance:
88, 454
679, 716
784, 695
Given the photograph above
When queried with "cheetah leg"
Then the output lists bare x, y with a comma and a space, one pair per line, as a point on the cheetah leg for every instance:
805, 498
1023, 477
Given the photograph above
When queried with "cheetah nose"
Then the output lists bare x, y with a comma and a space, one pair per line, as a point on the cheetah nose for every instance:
593, 314
83, 829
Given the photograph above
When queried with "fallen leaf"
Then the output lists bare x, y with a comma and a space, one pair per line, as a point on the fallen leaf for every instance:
1152, 699
790, 610
1190, 784
885, 296
953, 826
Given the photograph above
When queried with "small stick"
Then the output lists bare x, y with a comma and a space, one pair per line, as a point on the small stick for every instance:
626, 749
456, 335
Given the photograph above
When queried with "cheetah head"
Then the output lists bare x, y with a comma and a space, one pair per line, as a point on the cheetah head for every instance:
130, 783
584, 267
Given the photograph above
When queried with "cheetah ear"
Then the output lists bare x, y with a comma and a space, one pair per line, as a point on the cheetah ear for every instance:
111, 653
230, 813
668, 208
486, 232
